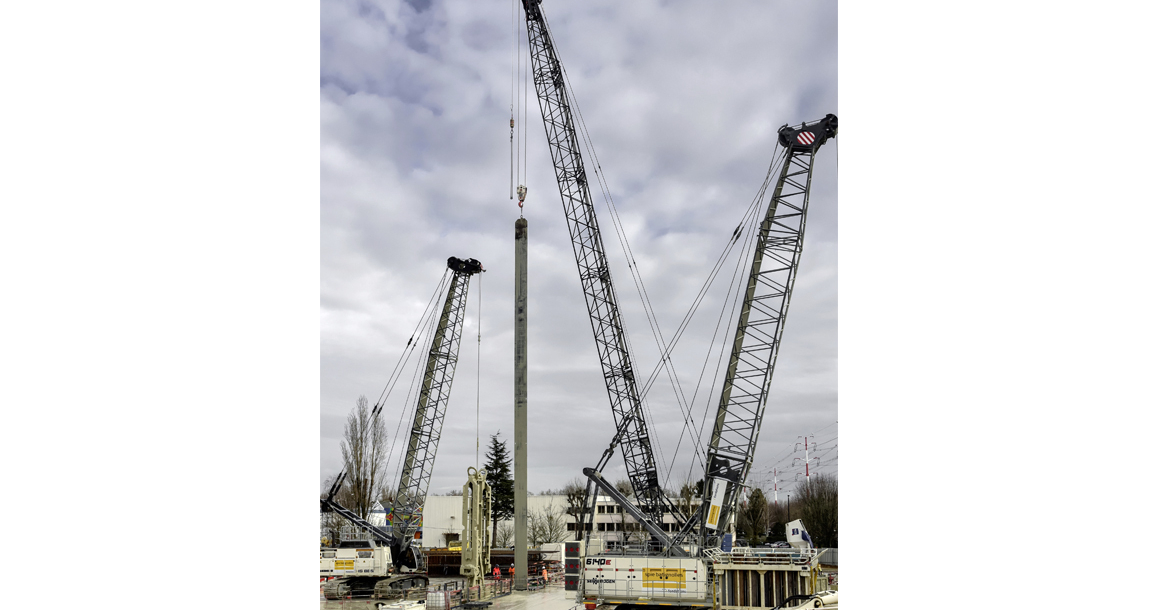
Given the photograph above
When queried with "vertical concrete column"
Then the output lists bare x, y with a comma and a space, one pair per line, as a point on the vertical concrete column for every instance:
520, 583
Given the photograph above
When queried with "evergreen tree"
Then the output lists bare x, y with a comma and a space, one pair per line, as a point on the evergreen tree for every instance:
501, 482
753, 520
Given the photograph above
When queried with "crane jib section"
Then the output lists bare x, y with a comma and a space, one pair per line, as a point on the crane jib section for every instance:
599, 294
418, 465
761, 321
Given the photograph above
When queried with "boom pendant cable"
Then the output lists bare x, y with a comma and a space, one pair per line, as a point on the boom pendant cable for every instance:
410, 343
514, 56
621, 236
519, 132
409, 406
478, 367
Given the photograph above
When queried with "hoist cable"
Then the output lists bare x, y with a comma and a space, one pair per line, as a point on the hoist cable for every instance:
743, 226
515, 37
750, 231
747, 229
621, 235
409, 406
478, 366
569, 92
410, 344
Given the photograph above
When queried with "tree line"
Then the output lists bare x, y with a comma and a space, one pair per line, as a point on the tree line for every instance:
364, 448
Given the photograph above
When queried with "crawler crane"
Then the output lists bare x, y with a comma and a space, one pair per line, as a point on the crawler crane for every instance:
685, 568
364, 564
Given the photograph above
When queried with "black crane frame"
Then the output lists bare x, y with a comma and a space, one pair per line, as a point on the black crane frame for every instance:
595, 277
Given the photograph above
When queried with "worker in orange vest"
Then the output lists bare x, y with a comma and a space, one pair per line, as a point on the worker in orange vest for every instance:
495, 572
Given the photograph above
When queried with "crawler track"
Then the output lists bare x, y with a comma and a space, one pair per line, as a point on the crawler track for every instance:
405, 586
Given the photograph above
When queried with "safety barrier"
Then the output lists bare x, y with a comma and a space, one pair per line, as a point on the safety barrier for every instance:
455, 594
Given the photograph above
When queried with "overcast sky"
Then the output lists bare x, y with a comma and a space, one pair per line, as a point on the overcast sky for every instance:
682, 100
161, 253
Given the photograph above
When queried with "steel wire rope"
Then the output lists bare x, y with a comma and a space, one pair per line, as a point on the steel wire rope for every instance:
478, 366
750, 236
569, 94
408, 409
744, 228
653, 322
731, 311
526, 71
515, 93
410, 344
514, 59
409, 406
403, 358
717, 266
788, 295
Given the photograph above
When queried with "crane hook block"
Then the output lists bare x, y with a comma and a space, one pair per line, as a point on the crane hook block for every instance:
522, 192
808, 135
469, 266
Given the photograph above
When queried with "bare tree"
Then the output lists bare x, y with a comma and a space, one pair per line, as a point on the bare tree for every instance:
633, 532
688, 491
625, 487
574, 491
504, 535
816, 506
364, 456
386, 496
547, 525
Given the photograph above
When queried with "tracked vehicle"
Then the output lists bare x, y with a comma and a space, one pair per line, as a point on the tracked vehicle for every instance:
384, 562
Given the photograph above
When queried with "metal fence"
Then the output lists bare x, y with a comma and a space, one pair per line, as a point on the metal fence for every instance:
455, 594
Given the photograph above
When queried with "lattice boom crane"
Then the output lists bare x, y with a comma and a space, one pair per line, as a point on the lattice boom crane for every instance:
426, 429
595, 277
761, 322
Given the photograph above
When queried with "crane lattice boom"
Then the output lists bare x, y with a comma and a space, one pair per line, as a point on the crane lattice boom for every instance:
595, 277
761, 322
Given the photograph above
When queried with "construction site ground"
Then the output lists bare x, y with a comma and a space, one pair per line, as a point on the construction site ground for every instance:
550, 597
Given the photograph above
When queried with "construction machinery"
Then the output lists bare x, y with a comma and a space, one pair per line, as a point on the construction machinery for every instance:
603, 309
695, 566
476, 540
385, 561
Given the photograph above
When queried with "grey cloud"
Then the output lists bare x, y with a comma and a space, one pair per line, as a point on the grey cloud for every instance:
682, 100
